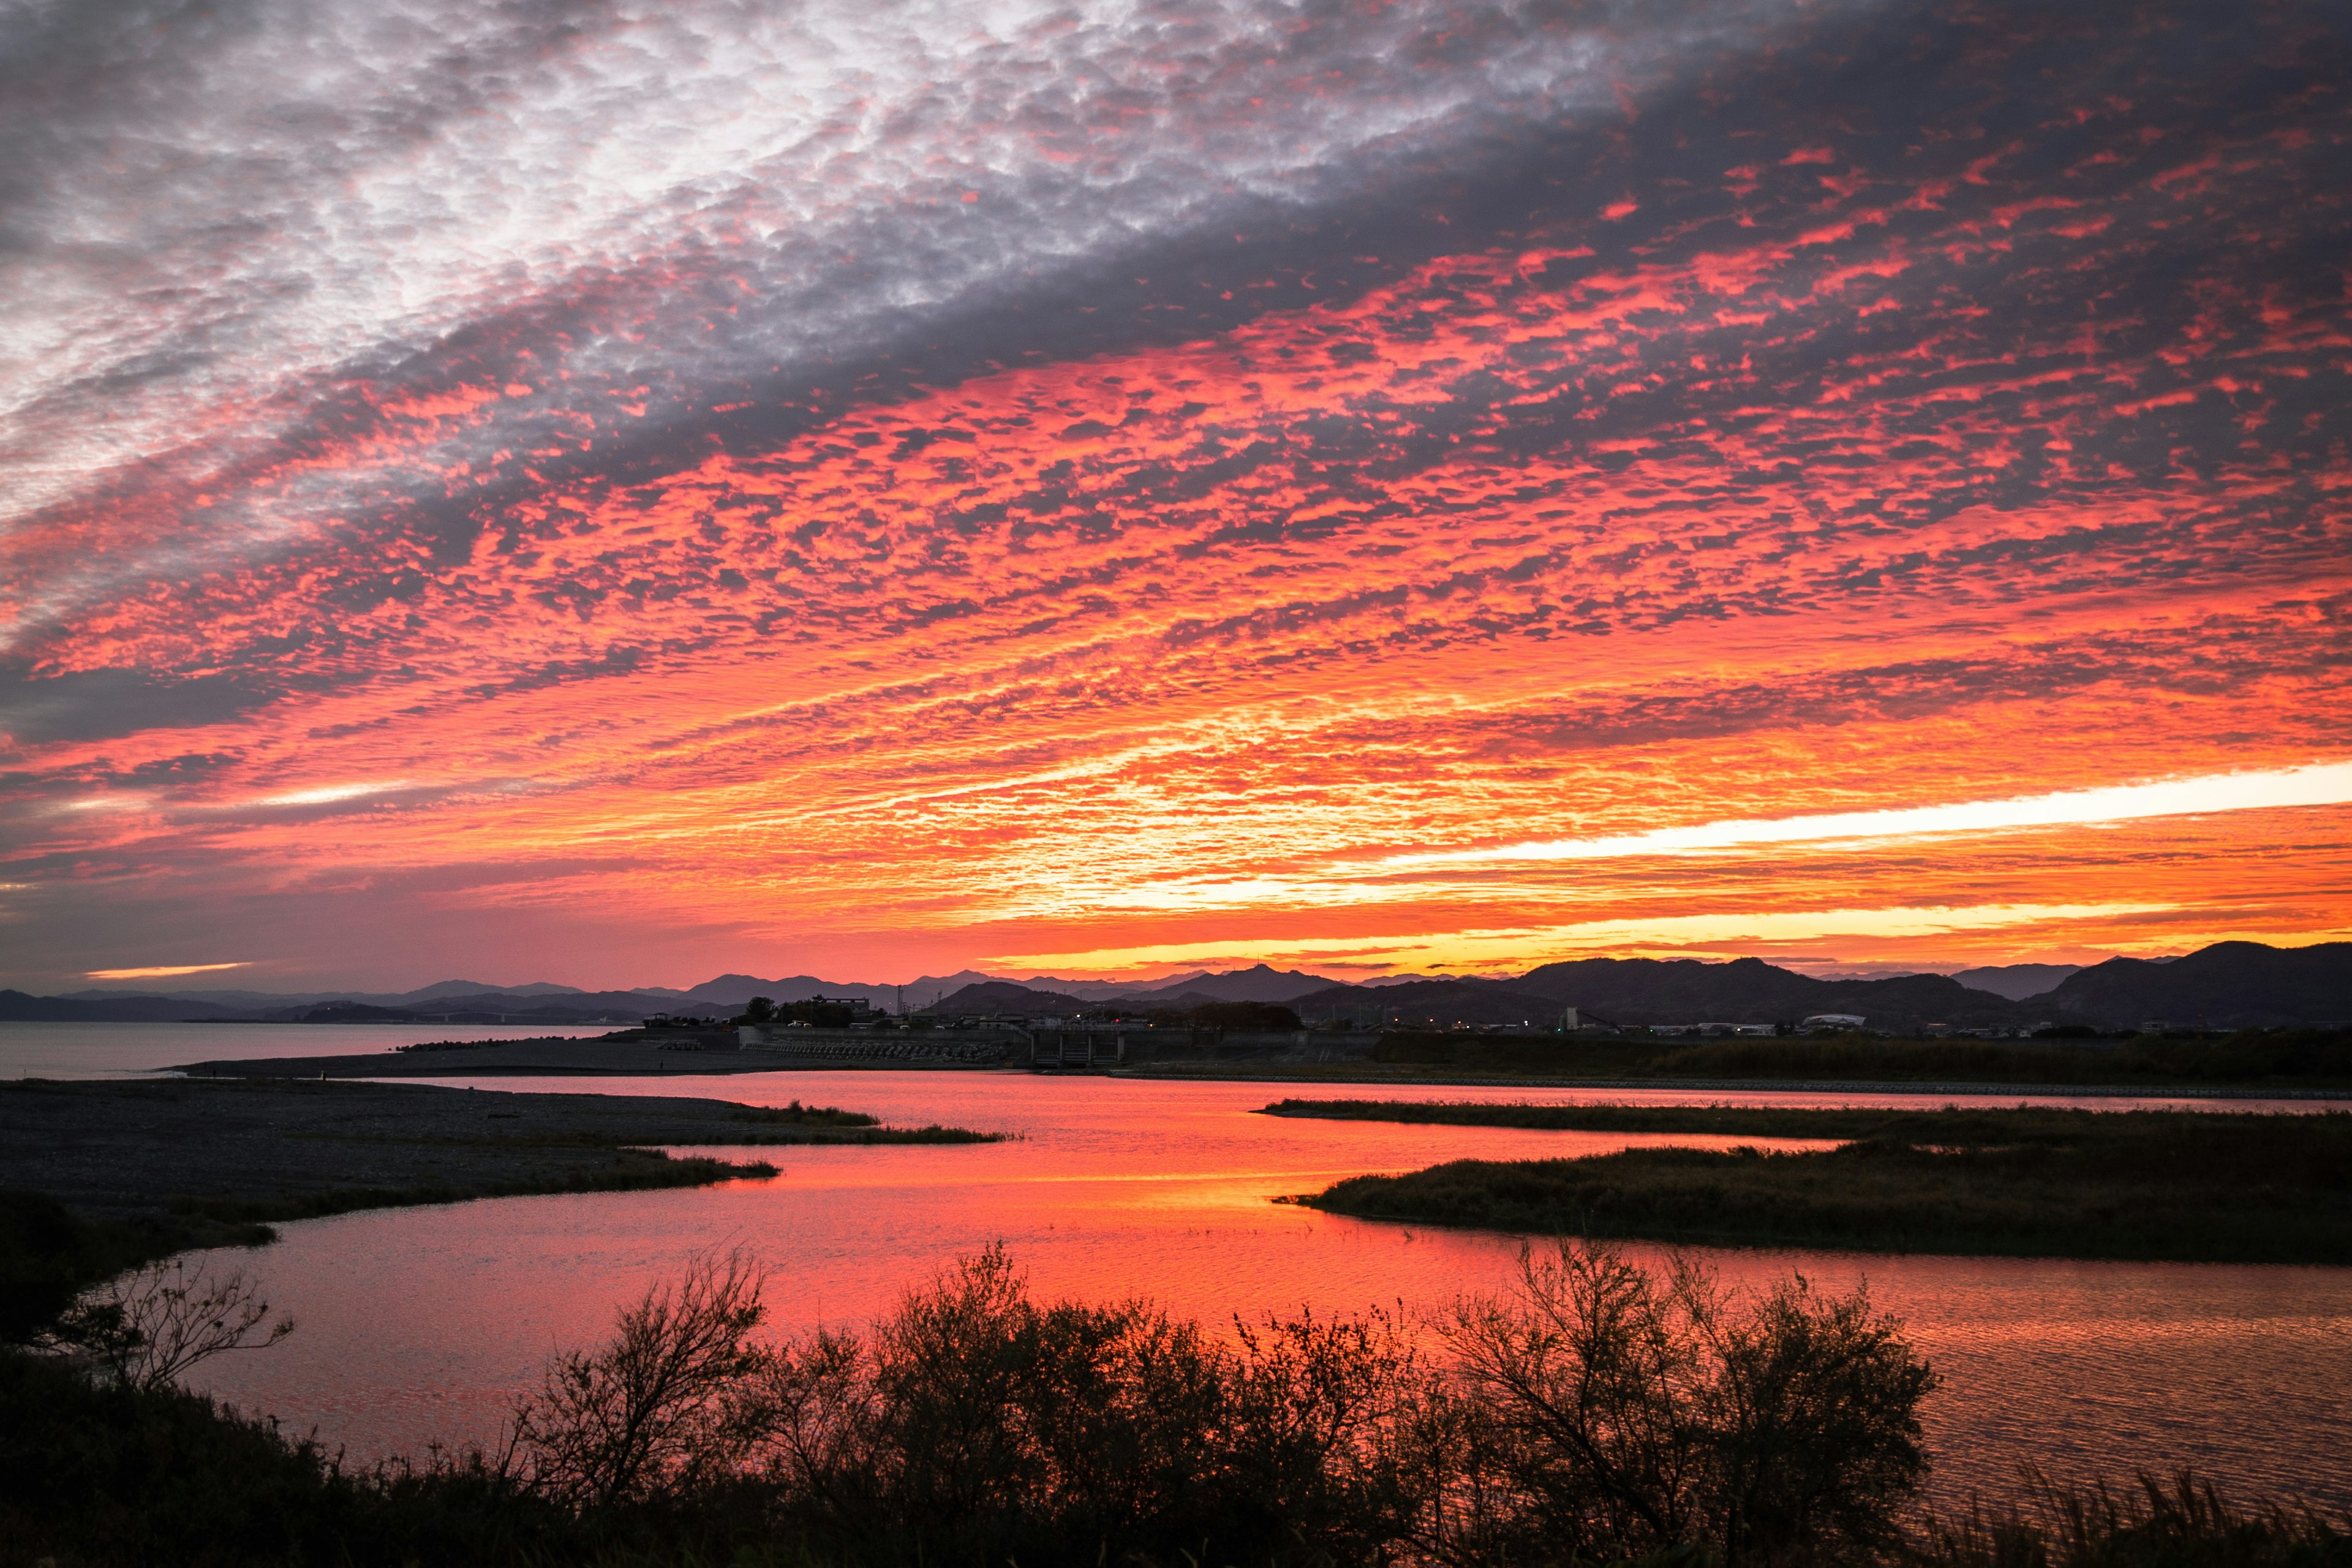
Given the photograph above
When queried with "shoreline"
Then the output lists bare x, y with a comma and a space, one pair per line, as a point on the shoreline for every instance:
547, 1056
605, 1057
1761, 1085
163, 1164
2175, 1184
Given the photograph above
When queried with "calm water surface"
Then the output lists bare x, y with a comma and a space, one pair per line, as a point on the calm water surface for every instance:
422, 1324
119, 1050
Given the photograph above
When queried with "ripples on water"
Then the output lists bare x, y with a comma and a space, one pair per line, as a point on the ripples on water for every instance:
422, 1324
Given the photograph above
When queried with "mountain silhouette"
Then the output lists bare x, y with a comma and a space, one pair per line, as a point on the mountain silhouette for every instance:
2018, 981
2228, 986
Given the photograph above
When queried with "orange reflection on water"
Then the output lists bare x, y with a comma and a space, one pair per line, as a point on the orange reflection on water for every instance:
425, 1322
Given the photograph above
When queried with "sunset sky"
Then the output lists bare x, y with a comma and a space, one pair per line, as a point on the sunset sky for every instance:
612, 494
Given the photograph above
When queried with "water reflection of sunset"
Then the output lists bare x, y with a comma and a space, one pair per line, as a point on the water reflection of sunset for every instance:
1119, 1188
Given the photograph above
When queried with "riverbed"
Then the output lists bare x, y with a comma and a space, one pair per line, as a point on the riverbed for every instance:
423, 1325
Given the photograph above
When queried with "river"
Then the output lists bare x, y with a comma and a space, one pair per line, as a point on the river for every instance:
422, 1324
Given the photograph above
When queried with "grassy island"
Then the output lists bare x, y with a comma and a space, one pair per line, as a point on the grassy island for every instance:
2033, 1182
2249, 1059
2252, 1062
99, 1177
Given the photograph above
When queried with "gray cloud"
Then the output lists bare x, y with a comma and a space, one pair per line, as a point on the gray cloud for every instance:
224, 223
98, 704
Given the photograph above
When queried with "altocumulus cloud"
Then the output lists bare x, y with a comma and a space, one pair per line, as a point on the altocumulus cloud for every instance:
335, 216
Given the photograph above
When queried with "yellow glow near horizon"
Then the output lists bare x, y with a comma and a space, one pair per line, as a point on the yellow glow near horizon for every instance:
1533, 945
2318, 784
163, 970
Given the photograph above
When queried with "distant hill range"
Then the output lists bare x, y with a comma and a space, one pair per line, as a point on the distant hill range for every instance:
1042, 994
1638, 991
2017, 981
569, 1008
990, 997
1063, 999
541, 1003
1750, 991
2231, 984
1262, 983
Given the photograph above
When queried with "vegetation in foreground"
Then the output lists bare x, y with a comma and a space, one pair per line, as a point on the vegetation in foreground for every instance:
1601, 1412
2031, 1182
50, 1255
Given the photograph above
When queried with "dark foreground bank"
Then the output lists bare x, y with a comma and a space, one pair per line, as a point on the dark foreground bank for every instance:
2255, 1061
2201, 1187
1602, 1412
623, 1053
98, 1176
2271, 1060
2249, 1063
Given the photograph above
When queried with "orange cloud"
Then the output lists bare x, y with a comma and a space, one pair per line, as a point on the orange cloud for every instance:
1347, 629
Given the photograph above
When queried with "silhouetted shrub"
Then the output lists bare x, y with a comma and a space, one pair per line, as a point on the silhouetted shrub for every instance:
50, 1256
670, 1407
119, 1475
1600, 1413
974, 1424
1628, 1412
145, 1329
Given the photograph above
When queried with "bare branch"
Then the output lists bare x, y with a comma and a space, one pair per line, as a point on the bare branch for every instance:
147, 1329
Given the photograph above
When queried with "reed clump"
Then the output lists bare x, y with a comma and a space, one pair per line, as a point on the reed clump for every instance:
2170, 1521
2209, 1187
